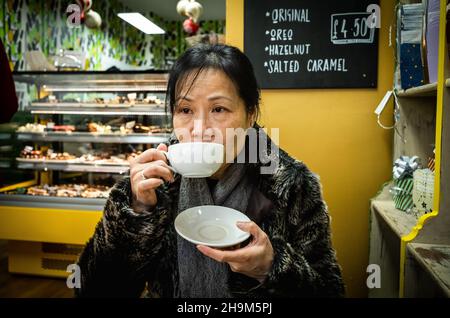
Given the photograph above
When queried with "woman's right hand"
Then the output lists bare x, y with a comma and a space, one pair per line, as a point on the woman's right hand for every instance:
147, 172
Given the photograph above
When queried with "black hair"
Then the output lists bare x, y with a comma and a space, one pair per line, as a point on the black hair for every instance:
228, 59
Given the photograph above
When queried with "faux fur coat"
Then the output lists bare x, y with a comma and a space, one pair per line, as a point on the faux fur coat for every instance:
134, 254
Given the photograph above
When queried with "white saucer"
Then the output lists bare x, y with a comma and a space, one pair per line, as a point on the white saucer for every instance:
211, 225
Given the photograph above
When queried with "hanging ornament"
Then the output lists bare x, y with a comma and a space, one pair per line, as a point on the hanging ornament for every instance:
87, 16
85, 5
190, 8
194, 10
181, 7
93, 20
190, 27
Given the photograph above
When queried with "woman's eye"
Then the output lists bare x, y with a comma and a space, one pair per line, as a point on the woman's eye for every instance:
184, 110
218, 109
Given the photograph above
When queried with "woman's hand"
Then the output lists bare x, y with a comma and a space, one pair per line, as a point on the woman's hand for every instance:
254, 260
147, 172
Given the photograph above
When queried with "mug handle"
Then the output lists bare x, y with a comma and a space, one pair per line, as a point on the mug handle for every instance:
166, 154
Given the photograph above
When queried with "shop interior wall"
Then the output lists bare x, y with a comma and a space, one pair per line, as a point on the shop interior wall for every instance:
41, 25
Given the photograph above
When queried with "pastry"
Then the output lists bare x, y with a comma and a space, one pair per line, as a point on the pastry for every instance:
70, 190
63, 128
34, 128
99, 128
29, 153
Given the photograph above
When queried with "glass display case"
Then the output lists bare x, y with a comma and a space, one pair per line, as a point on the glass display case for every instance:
72, 139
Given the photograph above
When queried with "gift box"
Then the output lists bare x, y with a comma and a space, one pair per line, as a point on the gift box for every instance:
402, 194
411, 67
431, 161
403, 182
423, 190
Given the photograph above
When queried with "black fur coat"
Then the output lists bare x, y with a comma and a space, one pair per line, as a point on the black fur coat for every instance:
132, 255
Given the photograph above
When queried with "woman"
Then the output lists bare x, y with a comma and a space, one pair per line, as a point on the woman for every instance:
135, 247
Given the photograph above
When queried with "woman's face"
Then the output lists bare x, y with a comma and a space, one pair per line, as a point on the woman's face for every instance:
205, 110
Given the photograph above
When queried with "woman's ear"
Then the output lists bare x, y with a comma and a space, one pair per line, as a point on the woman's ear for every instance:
251, 119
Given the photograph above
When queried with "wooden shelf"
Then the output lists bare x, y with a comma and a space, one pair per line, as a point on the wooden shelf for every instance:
399, 221
420, 91
435, 260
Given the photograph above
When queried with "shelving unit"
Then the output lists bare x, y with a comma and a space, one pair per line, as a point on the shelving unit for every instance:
421, 91
414, 255
74, 167
31, 223
57, 109
447, 82
5, 136
387, 226
428, 270
81, 204
5, 164
94, 137
398, 221
86, 81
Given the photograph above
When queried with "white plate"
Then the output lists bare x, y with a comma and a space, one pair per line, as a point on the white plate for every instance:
211, 225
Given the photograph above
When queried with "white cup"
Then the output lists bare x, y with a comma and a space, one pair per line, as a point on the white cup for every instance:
195, 159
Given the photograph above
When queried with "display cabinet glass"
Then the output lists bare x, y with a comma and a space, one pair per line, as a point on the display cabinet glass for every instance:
73, 138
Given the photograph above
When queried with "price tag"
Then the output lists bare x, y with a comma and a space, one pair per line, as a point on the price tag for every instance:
348, 28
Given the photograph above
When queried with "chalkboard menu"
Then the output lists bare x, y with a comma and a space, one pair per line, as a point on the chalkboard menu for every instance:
312, 44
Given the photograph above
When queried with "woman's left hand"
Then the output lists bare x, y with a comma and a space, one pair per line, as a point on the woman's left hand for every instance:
254, 260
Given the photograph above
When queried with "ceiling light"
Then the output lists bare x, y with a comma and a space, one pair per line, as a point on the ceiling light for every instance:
140, 22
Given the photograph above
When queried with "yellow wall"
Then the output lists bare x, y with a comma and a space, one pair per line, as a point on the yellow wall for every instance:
334, 131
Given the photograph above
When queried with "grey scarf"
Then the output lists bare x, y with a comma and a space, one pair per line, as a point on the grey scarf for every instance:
201, 276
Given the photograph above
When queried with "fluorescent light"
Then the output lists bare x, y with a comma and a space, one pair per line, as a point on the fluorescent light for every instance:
140, 22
